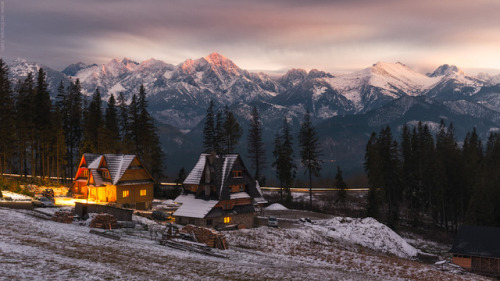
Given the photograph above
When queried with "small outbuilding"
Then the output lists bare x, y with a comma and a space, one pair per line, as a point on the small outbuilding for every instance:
477, 249
219, 191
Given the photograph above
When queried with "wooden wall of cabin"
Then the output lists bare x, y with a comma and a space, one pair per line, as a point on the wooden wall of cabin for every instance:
463, 261
133, 197
243, 220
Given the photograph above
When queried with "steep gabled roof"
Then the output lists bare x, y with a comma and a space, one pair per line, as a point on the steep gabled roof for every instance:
97, 178
95, 163
220, 166
481, 241
90, 157
196, 173
117, 165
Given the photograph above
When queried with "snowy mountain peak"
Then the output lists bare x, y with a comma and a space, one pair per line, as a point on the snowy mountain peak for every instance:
446, 70
129, 64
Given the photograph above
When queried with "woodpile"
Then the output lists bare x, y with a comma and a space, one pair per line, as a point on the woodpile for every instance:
63, 216
104, 221
208, 236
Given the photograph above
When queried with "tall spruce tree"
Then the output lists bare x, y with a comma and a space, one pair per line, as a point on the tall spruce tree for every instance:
7, 120
231, 131
43, 124
310, 151
209, 137
341, 186
283, 163
256, 149
93, 124
373, 169
74, 126
219, 132
25, 127
111, 140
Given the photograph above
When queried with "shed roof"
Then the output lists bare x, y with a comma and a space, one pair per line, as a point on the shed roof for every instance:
192, 207
481, 241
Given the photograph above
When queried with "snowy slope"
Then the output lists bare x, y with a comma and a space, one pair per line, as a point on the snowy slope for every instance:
387, 80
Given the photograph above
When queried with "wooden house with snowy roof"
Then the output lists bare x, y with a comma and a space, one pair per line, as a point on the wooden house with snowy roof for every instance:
219, 191
120, 180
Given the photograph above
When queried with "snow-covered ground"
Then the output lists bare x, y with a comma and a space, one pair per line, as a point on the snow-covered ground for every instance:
15, 196
34, 248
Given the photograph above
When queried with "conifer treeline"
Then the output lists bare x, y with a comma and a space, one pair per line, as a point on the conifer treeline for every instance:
42, 138
431, 180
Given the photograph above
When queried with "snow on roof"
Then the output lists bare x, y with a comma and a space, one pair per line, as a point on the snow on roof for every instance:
117, 165
260, 200
239, 195
196, 173
95, 164
192, 207
257, 186
226, 168
90, 157
97, 178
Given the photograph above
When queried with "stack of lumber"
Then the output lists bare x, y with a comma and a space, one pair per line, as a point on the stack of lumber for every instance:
104, 221
208, 236
63, 216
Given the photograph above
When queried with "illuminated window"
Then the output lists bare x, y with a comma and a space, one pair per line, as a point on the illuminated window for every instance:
237, 174
143, 192
125, 193
85, 173
227, 219
105, 174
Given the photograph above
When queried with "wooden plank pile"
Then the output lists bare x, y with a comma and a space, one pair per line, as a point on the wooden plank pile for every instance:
185, 245
104, 221
63, 216
208, 236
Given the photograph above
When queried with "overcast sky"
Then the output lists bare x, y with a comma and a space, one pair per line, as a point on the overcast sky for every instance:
331, 35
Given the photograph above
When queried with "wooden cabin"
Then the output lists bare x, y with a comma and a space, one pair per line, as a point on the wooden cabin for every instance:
477, 249
219, 191
120, 180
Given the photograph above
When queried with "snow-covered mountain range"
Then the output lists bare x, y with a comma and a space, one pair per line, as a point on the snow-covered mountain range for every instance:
384, 93
180, 94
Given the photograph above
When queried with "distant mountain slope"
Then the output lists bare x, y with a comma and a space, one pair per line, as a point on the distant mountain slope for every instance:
346, 108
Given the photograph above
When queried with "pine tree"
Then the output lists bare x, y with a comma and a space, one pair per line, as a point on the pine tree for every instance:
373, 168
341, 186
42, 123
219, 132
124, 124
74, 132
145, 136
25, 127
256, 150
111, 142
209, 129
391, 175
310, 151
7, 120
283, 163
93, 124
231, 131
